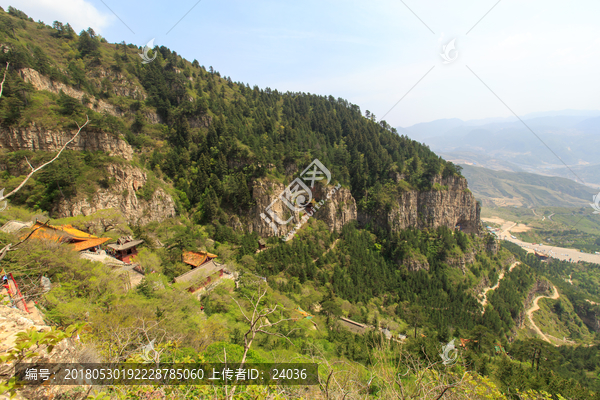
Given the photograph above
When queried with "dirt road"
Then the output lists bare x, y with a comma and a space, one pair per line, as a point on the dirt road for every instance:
536, 307
560, 253
487, 289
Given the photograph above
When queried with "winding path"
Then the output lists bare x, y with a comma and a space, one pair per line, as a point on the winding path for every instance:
487, 289
329, 249
536, 307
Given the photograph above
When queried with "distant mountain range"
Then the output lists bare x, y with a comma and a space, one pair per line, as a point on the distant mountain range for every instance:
523, 189
507, 144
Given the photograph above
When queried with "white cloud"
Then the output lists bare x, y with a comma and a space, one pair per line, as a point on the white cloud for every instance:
79, 13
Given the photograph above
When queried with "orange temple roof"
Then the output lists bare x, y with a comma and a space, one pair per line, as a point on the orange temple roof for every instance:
197, 258
77, 239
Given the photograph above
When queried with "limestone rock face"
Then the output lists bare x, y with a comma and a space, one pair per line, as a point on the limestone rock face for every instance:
71, 350
264, 192
36, 138
461, 262
450, 207
122, 196
336, 211
431, 209
591, 317
416, 264
41, 82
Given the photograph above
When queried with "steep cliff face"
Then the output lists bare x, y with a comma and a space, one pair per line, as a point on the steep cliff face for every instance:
264, 192
431, 209
336, 211
34, 137
120, 85
591, 319
415, 262
122, 196
461, 261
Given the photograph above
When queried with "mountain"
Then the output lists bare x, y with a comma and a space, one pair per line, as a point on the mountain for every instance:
585, 173
385, 260
182, 138
522, 189
570, 134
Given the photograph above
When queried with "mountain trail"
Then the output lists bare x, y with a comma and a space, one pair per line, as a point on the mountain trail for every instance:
487, 289
536, 307
329, 249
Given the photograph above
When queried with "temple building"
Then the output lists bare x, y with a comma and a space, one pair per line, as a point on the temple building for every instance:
125, 248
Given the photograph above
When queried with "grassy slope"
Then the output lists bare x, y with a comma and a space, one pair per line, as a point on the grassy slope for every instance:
566, 325
502, 188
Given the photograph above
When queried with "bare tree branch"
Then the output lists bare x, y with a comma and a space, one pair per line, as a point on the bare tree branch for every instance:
34, 170
3, 79
257, 325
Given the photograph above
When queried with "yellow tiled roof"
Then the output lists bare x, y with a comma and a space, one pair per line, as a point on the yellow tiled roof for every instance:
78, 240
86, 244
197, 258
75, 232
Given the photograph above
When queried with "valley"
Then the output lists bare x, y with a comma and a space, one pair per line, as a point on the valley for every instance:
508, 228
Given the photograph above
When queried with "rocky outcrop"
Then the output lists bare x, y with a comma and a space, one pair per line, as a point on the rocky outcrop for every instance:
414, 264
121, 196
338, 210
461, 261
152, 117
589, 312
41, 82
591, 318
491, 245
120, 85
454, 206
69, 350
264, 192
36, 138
335, 211
203, 121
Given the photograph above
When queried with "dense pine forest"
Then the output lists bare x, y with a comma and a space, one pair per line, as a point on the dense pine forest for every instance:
204, 139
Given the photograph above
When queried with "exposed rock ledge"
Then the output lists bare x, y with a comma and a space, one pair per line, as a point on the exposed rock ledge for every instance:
41, 82
336, 211
36, 138
421, 209
121, 196
431, 209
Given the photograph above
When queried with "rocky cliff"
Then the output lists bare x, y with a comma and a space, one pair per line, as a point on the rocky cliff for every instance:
34, 138
589, 313
119, 86
41, 82
123, 195
449, 207
264, 192
454, 205
336, 211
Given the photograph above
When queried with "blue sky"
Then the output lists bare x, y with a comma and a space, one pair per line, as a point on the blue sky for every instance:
535, 55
